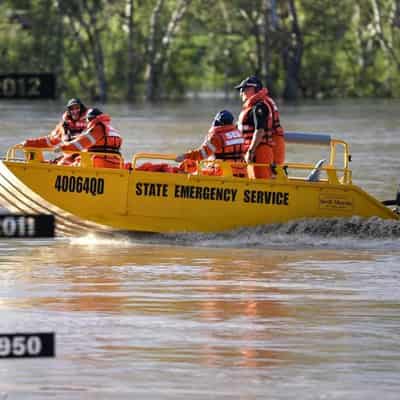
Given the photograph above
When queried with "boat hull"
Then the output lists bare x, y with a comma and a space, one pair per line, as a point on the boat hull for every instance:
166, 202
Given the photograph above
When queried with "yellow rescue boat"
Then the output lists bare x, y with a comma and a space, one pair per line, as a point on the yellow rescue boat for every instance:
135, 200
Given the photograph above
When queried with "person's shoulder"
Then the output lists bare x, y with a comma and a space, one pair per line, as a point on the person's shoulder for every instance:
260, 108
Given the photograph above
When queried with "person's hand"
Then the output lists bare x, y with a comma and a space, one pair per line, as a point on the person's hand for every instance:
180, 158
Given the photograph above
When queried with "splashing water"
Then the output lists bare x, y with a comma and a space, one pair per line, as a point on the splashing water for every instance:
355, 232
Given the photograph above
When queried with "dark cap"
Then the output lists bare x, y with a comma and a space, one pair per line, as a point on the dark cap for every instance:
251, 81
224, 117
93, 113
73, 102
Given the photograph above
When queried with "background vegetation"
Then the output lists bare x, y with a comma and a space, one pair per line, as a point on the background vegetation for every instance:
130, 49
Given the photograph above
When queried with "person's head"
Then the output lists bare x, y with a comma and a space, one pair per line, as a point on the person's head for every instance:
222, 118
75, 108
93, 113
249, 87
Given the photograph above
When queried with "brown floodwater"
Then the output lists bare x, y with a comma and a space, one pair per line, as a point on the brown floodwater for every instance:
309, 309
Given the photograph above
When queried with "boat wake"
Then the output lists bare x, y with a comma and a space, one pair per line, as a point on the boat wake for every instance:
307, 233
333, 233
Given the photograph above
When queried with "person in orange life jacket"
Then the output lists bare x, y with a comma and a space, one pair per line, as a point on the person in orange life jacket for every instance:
99, 136
72, 124
223, 142
260, 124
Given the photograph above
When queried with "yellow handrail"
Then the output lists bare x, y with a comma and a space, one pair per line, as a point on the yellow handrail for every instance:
31, 154
87, 157
152, 156
35, 155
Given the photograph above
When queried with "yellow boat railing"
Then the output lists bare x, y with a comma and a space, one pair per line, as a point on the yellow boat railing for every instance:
35, 155
334, 175
151, 156
280, 172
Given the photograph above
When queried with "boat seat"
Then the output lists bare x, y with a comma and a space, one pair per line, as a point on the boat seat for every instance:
314, 175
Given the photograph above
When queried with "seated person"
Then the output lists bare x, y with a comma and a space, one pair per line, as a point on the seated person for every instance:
99, 136
72, 124
223, 142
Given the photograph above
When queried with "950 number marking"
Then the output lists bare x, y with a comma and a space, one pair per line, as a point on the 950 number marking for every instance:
78, 184
22, 345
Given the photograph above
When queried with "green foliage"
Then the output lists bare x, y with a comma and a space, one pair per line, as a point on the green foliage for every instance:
345, 51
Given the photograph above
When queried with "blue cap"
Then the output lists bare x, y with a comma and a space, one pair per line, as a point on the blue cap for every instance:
93, 113
224, 117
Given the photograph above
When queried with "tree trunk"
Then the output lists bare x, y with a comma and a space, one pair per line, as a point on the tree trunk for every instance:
256, 31
59, 67
259, 49
159, 50
385, 41
130, 94
77, 64
228, 49
396, 19
98, 54
270, 24
93, 32
151, 73
292, 54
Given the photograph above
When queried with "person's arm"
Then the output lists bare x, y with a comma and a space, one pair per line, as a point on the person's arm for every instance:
260, 116
208, 148
57, 134
86, 139
51, 140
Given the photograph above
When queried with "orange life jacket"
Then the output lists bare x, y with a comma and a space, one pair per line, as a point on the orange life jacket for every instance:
224, 142
73, 128
66, 130
231, 142
99, 136
246, 123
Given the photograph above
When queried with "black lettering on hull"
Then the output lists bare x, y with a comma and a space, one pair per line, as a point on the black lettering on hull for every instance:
266, 197
72, 184
205, 193
152, 189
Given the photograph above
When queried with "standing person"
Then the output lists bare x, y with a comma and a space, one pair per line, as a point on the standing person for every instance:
99, 136
260, 125
224, 141
72, 124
